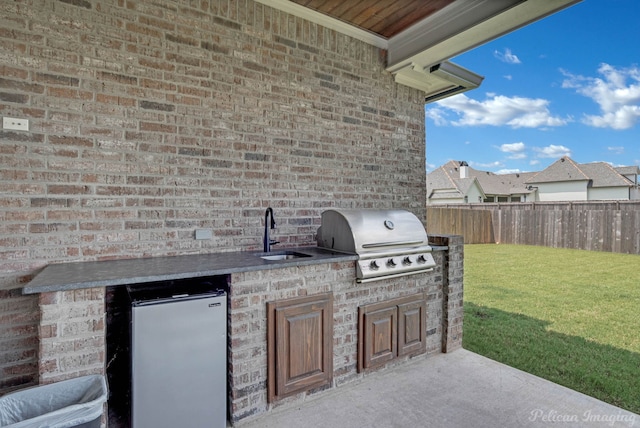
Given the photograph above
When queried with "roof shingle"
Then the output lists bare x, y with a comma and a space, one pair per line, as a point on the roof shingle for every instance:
564, 169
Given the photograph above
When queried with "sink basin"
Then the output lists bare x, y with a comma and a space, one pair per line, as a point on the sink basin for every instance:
282, 255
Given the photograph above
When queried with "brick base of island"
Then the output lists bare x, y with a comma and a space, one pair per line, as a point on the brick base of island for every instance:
248, 395
73, 324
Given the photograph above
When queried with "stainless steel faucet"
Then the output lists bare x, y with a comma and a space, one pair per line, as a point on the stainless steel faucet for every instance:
267, 239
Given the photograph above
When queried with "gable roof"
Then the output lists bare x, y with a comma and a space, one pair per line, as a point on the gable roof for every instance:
445, 182
440, 178
503, 184
628, 170
464, 184
604, 175
489, 183
599, 174
564, 169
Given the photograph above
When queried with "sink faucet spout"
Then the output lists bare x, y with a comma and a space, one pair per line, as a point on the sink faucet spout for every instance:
267, 226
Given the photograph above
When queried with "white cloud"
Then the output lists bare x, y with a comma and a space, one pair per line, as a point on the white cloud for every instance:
553, 151
618, 150
508, 171
534, 162
512, 148
515, 150
508, 77
507, 56
437, 115
623, 118
497, 110
617, 94
495, 164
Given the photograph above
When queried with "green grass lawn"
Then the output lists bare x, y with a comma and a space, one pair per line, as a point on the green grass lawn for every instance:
569, 316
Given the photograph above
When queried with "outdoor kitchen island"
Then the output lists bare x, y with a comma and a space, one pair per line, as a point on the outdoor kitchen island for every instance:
74, 307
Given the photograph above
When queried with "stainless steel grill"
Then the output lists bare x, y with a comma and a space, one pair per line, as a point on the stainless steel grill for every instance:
389, 243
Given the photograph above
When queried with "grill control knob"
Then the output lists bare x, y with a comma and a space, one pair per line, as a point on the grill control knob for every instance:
391, 262
407, 261
374, 265
421, 259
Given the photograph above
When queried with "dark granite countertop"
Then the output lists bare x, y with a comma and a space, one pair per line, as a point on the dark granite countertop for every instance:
77, 275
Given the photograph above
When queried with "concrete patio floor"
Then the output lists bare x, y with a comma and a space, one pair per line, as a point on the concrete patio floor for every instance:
455, 390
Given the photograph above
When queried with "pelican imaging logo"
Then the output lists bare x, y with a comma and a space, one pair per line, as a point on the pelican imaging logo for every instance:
588, 417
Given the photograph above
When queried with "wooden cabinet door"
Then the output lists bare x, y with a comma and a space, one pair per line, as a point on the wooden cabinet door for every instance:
412, 320
300, 344
379, 337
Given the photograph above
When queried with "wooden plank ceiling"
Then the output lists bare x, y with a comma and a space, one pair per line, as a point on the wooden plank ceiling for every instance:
383, 17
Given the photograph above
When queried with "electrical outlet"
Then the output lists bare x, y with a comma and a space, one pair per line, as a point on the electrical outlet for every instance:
204, 234
14, 124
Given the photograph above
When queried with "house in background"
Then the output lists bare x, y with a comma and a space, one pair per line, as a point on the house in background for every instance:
450, 184
566, 180
631, 173
456, 182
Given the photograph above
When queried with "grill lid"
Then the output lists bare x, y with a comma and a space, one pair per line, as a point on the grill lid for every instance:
366, 231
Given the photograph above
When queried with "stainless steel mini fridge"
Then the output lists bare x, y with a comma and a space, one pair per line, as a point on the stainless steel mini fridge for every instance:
179, 364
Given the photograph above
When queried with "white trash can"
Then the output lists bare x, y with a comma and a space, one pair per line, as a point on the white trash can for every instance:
69, 403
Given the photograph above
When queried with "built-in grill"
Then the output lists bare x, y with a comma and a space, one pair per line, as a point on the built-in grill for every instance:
390, 243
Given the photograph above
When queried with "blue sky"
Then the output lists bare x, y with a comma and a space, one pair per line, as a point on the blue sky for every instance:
566, 85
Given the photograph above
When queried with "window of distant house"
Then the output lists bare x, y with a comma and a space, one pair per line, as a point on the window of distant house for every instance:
503, 199
515, 199
488, 199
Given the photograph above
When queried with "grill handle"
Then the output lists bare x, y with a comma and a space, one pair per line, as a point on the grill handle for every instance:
388, 244
396, 275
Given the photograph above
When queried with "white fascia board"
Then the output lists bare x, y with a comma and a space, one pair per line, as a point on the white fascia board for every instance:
462, 26
459, 16
327, 21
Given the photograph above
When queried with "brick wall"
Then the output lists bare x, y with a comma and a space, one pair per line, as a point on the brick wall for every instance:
453, 290
18, 339
72, 334
151, 119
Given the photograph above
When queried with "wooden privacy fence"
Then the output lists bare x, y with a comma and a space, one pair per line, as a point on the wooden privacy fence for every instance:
597, 226
475, 225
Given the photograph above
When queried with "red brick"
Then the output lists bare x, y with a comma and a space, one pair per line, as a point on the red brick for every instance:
68, 189
69, 93
157, 127
71, 141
